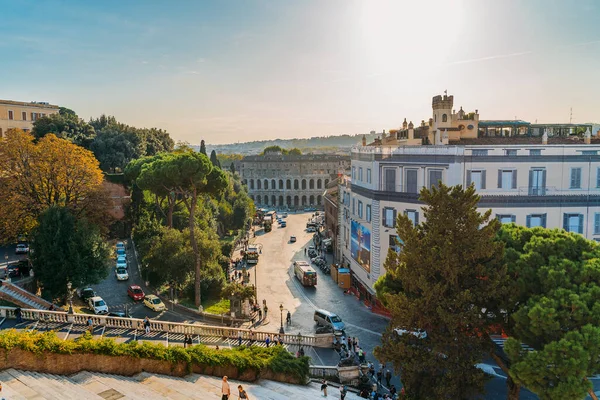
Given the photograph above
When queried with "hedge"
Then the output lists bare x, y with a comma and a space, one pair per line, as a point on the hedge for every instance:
276, 358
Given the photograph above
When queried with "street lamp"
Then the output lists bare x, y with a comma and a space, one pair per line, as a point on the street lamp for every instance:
70, 297
281, 315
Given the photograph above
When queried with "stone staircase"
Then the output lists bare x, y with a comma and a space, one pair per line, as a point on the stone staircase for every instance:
22, 297
25, 385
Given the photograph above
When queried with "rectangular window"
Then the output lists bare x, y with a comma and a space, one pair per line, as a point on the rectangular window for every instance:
507, 179
360, 176
395, 243
435, 177
389, 217
390, 180
10, 114
477, 178
511, 152
598, 177
573, 223
589, 153
411, 181
506, 218
360, 209
596, 223
33, 116
413, 215
368, 209
537, 182
24, 115
575, 178
535, 152
534, 220
353, 173
368, 175
480, 152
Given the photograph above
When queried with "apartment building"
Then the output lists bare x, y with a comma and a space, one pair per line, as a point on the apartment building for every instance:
22, 115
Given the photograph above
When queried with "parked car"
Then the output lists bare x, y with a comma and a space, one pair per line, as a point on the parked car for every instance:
121, 252
119, 314
154, 303
292, 239
283, 224
120, 245
86, 293
135, 292
284, 215
12, 270
121, 262
98, 305
326, 318
311, 229
22, 248
121, 274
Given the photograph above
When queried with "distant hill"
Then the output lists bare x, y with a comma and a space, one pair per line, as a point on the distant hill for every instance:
324, 144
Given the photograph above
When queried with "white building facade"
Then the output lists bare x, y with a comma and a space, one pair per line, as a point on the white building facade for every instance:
549, 185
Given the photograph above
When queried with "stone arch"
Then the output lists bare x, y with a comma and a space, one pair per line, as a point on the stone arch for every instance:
288, 201
296, 184
304, 200
319, 199
266, 184
273, 200
444, 118
258, 184
311, 200
280, 201
251, 184
280, 184
319, 183
326, 182
296, 201
303, 184
266, 202
273, 185
288, 184
311, 184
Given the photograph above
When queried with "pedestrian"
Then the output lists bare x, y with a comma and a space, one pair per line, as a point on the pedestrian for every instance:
217, 347
371, 369
355, 343
190, 342
90, 325
305, 251
259, 314
379, 376
388, 377
225, 390
19, 315
251, 337
268, 341
324, 387
288, 319
240, 339
393, 391
147, 325
185, 341
242, 393
374, 387
350, 343
266, 309
342, 392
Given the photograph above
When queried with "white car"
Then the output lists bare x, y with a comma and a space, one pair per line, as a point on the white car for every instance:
284, 215
22, 249
121, 262
121, 274
98, 305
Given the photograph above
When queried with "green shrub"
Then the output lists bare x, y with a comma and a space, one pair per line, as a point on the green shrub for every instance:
276, 358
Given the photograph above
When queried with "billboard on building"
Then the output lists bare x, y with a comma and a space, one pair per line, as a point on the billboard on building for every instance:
360, 245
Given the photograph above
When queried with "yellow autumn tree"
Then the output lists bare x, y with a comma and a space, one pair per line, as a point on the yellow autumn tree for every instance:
51, 172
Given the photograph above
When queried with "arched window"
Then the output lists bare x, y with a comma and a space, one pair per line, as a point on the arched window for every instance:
280, 184
266, 184
296, 201
319, 200
273, 200
258, 184
319, 183
303, 200
311, 184
266, 200
444, 118
311, 201
296, 184
251, 184
288, 201
303, 184
273, 187
280, 201
288, 184
326, 182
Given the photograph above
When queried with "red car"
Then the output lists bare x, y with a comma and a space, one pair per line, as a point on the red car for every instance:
135, 292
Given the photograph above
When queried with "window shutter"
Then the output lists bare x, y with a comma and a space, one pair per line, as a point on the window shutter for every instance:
499, 179
468, 177
531, 191
513, 218
394, 219
596, 223
514, 179
580, 224
483, 179
416, 218
528, 223
566, 222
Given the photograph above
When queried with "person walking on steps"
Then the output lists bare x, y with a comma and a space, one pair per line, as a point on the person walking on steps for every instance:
342, 392
225, 390
324, 387
242, 393
288, 319
388, 377
379, 375
147, 325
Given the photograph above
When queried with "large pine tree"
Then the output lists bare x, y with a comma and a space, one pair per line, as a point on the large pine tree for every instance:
443, 289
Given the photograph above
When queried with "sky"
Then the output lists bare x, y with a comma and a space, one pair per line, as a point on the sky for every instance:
233, 71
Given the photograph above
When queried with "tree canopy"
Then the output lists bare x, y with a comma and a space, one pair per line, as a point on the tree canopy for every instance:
443, 289
36, 176
554, 308
294, 151
66, 125
67, 250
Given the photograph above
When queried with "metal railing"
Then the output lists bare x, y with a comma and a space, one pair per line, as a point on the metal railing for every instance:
166, 326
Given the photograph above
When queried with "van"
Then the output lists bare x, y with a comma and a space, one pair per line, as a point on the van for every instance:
326, 318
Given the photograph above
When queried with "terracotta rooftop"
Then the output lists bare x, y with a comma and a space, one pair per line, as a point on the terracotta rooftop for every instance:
487, 141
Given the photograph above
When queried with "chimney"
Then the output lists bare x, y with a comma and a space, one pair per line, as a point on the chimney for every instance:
364, 140
545, 137
587, 138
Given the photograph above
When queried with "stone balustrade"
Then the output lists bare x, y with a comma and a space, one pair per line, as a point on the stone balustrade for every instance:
321, 340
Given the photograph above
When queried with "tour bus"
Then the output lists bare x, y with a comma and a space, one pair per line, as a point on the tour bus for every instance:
252, 254
267, 224
305, 273
272, 215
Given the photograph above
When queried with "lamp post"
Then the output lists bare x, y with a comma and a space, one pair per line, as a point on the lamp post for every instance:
70, 297
281, 315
